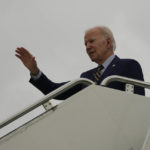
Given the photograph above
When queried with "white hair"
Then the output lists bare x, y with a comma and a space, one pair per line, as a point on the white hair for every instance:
107, 33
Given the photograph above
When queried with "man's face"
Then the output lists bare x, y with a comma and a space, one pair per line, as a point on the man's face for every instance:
97, 46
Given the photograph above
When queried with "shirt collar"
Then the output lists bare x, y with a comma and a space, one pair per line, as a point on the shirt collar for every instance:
108, 61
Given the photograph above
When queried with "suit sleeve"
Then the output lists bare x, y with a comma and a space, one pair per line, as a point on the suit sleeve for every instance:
134, 70
46, 86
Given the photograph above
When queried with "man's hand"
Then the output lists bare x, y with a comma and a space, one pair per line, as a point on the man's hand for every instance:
27, 59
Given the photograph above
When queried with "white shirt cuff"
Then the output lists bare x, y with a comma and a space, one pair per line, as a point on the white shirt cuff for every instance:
36, 77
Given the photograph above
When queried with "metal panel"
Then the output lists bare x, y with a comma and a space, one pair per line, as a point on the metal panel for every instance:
96, 118
146, 145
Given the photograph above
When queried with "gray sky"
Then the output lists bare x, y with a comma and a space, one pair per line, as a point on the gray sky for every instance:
53, 32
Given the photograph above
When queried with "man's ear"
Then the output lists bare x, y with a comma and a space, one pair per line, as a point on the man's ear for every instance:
109, 42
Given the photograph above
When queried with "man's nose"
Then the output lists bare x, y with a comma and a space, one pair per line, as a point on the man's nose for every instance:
88, 46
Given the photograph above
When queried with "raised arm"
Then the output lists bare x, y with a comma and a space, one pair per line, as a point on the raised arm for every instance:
27, 59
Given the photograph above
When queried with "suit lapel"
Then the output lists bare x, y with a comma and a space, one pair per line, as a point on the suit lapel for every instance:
110, 69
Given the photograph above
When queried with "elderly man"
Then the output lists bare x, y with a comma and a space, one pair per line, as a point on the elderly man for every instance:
100, 46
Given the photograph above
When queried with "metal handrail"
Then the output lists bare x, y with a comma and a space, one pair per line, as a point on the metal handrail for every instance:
46, 98
126, 80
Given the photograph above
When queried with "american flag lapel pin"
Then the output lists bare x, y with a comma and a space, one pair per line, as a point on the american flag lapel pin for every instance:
113, 65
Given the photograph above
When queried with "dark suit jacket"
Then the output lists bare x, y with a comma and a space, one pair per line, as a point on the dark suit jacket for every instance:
122, 67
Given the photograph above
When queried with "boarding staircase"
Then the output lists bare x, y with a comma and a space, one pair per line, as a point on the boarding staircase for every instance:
96, 118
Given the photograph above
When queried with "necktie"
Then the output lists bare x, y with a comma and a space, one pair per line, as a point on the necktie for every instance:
97, 73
